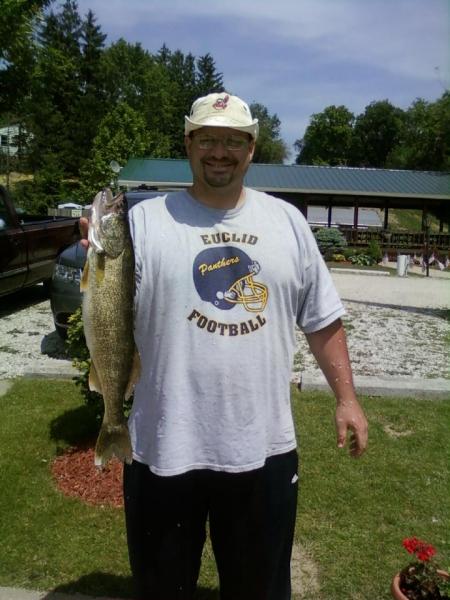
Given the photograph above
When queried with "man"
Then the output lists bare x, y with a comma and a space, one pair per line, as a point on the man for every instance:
223, 274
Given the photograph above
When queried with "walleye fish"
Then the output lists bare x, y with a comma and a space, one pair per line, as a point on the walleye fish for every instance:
108, 286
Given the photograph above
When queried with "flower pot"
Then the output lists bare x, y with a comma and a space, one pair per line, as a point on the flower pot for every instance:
395, 585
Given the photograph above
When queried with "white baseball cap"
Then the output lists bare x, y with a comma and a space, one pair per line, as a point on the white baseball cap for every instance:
221, 110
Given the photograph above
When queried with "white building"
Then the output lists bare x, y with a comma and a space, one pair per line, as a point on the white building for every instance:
9, 143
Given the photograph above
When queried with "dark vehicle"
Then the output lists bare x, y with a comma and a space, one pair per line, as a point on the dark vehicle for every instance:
65, 295
29, 245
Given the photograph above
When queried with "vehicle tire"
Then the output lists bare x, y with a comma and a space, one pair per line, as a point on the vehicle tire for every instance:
47, 284
61, 331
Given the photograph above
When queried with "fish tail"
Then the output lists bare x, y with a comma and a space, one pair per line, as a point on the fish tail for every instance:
113, 440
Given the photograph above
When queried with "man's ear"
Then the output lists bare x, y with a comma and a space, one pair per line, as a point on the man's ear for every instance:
187, 144
252, 148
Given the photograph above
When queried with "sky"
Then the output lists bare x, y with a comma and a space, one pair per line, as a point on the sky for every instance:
299, 56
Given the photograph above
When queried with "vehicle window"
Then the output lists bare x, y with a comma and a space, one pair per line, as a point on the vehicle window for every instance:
4, 216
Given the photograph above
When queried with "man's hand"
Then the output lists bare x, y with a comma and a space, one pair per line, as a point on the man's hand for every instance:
84, 228
350, 418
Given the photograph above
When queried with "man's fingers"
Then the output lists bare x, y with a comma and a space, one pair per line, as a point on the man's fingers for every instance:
354, 445
341, 433
84, 230
358, 442
358, 438
84, 226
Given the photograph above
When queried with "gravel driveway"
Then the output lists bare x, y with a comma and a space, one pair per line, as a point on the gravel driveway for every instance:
28, 340
395, 327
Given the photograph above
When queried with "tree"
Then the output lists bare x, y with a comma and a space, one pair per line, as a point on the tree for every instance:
425, 141
134, 76
91, 104
45, 189
52, 109
121, 135
190, 79
67, 94
181, 71
441, 126
125, 69
17, 19
62, 30
208, 80
270, 148
376, 132
328, 138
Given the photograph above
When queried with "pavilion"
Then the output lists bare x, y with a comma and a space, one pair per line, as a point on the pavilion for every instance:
313, 186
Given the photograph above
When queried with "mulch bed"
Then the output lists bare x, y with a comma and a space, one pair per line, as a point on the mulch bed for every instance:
75, 474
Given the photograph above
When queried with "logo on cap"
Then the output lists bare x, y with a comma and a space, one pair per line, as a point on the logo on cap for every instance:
221, 103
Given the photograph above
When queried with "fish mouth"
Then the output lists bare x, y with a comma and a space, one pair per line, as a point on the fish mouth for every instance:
115, 204
105, 211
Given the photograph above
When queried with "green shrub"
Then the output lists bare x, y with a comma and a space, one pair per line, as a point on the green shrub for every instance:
374, 250
347, 252
45, 190
362, 260
79, 353
330, 241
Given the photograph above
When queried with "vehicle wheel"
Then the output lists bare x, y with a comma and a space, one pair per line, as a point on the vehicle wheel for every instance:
47, 284
61, 331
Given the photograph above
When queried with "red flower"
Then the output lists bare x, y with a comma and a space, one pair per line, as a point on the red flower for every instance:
411, 544
425, 552
421, 549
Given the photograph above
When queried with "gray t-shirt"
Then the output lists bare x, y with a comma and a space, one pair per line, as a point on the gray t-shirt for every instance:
218, 294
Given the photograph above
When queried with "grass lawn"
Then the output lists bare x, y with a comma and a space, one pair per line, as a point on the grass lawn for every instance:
352, 517
411, 220
14, 178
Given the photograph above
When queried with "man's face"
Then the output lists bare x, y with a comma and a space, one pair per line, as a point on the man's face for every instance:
219, 156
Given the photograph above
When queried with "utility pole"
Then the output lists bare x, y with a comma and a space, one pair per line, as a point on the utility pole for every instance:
426, 224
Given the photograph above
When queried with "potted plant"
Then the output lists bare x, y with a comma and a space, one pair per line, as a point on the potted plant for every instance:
421, 579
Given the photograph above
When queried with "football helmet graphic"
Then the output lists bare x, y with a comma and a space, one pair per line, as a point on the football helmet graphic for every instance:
225, 277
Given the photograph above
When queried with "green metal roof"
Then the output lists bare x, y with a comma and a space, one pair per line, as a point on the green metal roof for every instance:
299, 179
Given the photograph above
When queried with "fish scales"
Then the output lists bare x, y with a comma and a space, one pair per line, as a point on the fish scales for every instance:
108, 318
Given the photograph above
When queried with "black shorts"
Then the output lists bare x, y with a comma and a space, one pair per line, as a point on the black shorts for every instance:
251, 522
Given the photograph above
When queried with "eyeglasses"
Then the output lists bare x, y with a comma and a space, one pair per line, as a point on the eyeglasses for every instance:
234, 143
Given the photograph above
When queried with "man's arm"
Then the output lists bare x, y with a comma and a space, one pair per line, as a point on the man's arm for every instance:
329, 347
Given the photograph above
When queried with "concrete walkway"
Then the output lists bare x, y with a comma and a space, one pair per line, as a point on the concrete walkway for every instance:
415, 292
7, 593
421, 389
368, 386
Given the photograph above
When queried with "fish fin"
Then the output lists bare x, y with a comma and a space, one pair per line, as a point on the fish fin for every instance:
84, 277
94, 381
113, 440
134, 374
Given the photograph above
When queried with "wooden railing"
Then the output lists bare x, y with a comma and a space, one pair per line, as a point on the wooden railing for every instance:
397, 239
